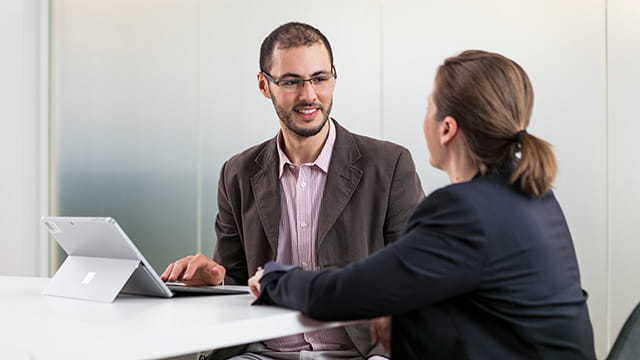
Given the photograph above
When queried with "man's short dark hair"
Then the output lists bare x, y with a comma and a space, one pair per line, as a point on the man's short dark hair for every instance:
290, 35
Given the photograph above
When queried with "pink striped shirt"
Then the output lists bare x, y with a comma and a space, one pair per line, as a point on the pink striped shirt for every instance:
301, 189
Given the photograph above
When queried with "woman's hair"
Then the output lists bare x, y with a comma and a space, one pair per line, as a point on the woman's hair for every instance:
491, 99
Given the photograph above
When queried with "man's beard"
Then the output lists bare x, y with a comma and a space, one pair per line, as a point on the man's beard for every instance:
286, 116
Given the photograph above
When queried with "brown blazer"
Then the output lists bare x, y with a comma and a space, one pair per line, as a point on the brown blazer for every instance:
372, 188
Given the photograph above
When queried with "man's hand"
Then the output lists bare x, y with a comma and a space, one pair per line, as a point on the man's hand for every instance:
254, 282
380, 331
194, 271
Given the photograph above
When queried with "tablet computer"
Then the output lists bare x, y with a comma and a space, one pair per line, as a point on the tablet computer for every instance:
102, 262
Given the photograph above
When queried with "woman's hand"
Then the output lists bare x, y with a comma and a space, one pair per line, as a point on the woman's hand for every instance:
254, 282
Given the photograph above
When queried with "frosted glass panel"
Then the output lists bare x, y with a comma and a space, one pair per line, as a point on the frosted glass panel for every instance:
124, 127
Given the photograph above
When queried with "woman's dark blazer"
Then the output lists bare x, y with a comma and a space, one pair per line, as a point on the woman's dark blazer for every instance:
482, 272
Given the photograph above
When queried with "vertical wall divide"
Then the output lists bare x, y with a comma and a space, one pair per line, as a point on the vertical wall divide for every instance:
23, 139
623, 55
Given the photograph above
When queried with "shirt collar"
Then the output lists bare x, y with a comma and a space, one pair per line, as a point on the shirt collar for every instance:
323, 159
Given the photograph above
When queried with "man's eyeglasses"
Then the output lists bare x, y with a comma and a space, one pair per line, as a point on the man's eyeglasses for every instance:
292, 84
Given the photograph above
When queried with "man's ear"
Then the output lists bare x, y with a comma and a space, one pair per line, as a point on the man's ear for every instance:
263, 85
448, 130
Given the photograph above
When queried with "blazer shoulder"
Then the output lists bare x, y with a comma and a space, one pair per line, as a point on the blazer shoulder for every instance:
251, 159
449, 195
472, 193
491, 194
371, 145
368, 151
482, 186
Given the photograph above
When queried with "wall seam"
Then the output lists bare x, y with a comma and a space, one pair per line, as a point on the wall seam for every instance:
199, 156
44, 55
381, 47
608, 178
54, 249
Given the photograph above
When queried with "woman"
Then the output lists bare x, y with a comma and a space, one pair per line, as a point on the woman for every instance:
486, 268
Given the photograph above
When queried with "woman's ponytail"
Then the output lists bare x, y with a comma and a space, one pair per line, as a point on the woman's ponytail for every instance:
536, 168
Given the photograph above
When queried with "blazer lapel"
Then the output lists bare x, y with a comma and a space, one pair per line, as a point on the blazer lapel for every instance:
342, 180
266, 188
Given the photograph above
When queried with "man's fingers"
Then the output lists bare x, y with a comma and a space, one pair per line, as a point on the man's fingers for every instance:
176, 272
177, 269
217, 271
201, 270
373, 333
194, 265
167, 271
380, 332
195, 270
385, 332
385, 340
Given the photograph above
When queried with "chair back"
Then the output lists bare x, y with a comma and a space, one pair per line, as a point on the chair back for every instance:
627, 345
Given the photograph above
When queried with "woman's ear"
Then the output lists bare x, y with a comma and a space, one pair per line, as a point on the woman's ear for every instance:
448, 130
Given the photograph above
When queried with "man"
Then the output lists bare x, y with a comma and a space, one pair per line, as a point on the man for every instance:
315, 196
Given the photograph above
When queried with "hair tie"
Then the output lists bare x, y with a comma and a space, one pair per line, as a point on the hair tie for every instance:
518, 136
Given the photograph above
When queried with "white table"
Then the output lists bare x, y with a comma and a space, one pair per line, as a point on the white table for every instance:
34, 326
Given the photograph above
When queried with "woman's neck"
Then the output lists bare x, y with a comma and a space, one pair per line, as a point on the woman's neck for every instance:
461, 168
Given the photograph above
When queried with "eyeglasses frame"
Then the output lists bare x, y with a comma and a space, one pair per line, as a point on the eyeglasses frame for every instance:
270, 78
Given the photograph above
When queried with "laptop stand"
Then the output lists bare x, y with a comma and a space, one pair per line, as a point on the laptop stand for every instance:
91, 278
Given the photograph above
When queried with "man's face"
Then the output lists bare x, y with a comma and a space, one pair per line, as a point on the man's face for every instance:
305, 111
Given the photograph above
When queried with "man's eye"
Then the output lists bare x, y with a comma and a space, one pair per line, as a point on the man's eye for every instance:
320, 79
289, 82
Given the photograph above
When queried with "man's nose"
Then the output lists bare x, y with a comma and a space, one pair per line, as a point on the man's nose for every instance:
307, 92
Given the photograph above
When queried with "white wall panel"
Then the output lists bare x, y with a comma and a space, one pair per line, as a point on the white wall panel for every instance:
624, 127
561, 45
22, 245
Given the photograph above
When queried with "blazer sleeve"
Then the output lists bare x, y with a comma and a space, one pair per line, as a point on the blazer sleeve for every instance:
406, 193
229, 250
440, 256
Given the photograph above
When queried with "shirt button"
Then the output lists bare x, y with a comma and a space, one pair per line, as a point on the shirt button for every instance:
303, 184
305, 265
303, 225
310, 340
